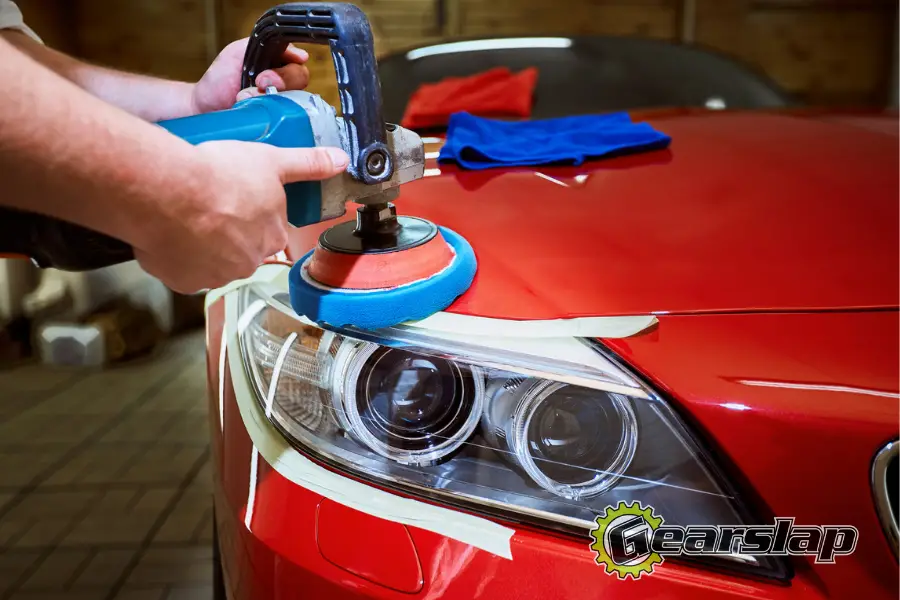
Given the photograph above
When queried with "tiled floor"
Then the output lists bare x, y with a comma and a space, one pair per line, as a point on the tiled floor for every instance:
105, 489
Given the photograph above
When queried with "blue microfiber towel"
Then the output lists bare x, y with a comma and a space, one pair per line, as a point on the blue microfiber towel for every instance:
478, 143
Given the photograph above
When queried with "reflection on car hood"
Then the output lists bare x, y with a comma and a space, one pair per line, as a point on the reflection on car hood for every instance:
744, 212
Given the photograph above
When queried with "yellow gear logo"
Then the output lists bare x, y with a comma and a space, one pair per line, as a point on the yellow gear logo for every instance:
622, 540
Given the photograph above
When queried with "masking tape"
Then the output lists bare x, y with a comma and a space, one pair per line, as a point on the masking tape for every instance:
590, 327
272, 446
454, 325
267, 273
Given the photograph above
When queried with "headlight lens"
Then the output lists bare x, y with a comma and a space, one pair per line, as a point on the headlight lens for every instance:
550, 441
572, 441
410, 408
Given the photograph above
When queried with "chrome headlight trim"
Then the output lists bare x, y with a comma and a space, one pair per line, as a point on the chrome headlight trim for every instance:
880, 491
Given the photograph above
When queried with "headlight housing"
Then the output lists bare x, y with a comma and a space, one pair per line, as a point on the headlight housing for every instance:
550, 440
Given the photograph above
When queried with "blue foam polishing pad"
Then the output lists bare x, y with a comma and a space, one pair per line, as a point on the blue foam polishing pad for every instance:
384, 307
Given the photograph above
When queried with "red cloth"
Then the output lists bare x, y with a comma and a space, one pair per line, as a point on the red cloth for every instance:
494, 93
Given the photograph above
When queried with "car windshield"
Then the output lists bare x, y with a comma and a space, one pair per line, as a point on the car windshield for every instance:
581, 75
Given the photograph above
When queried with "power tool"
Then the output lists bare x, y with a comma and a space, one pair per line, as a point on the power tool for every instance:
382, 156
378, 271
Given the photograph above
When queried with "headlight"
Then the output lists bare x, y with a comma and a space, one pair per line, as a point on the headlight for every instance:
546, 440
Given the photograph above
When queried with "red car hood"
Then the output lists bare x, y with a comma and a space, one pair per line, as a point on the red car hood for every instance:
744, 212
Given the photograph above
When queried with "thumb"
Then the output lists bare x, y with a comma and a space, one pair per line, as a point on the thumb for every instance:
308, 164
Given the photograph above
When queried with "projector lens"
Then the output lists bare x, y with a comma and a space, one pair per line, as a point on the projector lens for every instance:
572, 441
411, 408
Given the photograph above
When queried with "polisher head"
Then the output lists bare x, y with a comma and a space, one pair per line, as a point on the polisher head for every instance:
381, 271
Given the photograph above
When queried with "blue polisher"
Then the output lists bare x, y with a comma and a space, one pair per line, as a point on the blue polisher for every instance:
375, 272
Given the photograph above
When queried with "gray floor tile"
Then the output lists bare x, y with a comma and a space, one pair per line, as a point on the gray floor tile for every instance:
32, 429
97, 464
154, 593
103, 568
57, 570
34, 377
174, 566
101, 463
21, 465
190, 593
129, 529
186, 523
13, 565
45, 532
162, 464
42, 595
43, 505
142, 427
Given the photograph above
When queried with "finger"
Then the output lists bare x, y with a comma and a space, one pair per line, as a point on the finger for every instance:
248, 93
277, 241
292, 54
290, 77
307, 164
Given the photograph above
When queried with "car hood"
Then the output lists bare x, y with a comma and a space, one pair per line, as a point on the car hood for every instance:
744, 212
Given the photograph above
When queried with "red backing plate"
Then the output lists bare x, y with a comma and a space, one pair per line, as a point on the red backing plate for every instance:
386, 270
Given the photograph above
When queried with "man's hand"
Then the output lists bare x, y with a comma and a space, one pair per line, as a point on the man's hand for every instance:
225, 231
220, 87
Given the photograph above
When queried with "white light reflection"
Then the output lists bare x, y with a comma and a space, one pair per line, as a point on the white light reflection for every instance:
251, 492
550, 179
494, 44
254, 309
431, 173
819, 387
429, 155
735, 406
222, 347
276, 372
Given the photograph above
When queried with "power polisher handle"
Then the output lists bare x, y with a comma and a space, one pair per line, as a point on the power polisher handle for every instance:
345, 28
50, 242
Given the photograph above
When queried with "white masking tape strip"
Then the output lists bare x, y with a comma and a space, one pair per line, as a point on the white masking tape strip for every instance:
272, 446
272, 273
589, 327
482, 327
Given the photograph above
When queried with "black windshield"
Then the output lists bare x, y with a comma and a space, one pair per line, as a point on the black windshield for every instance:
588, 74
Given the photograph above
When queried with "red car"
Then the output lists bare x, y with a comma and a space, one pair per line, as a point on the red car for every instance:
495, 452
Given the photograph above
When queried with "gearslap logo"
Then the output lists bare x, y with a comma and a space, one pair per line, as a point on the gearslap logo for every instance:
630, 540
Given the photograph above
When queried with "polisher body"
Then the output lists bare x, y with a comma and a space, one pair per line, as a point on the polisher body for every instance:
298, 119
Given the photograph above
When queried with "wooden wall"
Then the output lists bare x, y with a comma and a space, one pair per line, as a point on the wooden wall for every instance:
824, 51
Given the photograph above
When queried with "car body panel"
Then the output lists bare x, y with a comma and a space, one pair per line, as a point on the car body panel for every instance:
744, 212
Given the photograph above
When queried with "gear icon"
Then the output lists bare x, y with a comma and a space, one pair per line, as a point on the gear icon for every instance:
606, 525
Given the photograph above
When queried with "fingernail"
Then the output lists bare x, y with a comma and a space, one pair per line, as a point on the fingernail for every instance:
339, 158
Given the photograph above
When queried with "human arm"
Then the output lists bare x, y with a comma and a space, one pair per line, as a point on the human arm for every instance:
198, 216
155, 99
